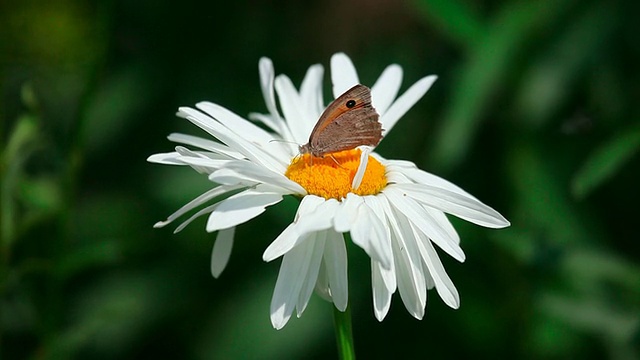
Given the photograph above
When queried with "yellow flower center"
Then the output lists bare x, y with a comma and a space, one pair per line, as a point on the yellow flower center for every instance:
331, 176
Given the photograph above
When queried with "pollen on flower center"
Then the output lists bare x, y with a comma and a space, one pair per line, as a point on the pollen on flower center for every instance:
331, 176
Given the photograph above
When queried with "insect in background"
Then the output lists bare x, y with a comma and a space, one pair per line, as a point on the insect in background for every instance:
349, 121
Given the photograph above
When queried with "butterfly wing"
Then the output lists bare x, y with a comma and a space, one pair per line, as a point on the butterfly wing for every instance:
360, 94
347, 122
349, 130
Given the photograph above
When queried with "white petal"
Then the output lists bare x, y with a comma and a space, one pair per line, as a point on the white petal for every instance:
405, 102
170, 158
201, 212
381, 294
362, 166
409, 271
245, 129
347, 212
447, 291
375, 204
320, 219
428, 277
312, 272
311, 93
290, 281
444, 223
247, 170
343, 74
240, 208
220, 132
335, 264
267, 120
202, 164
396, 177
369, 233
266, 83
424, 221
455, 203
198, 161
416, 175
291, 236
388, 275
286, 241
230, 177
423, 177
221, 251
322, 284
298, 119
213, 193
205, 144
385, 90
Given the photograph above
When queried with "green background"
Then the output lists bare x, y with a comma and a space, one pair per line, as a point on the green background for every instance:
535, 113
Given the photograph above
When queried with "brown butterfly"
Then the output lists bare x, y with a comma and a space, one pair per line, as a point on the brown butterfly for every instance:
349, 121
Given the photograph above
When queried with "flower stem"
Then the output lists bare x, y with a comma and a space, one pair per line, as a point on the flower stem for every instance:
344, 335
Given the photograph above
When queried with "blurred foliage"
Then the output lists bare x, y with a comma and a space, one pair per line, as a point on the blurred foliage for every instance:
535, 112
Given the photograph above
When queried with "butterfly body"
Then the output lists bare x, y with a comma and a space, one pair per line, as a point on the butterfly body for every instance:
349, 121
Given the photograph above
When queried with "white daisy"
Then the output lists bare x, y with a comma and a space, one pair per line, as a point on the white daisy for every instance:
394, 211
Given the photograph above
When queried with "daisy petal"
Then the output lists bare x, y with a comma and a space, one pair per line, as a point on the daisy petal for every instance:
454, 203
217, 130
359, 175
290, 281
423, 177
411, 283
291, 108
374, 203
322, 283
291, 237
240, 208
424, 221
204, 144
343, 74
312, 272
202, 164
221, 251
369, 233
347, 212
201, 212
444, 286
229, 177
247, 130
335, 263
381, 294
170, 158
236, 123
267, 120
405, 102
245, 170
444, 223
385, 90
320, 219
311, 93
266, 83
213, 193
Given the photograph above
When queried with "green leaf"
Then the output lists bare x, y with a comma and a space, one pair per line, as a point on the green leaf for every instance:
605, 162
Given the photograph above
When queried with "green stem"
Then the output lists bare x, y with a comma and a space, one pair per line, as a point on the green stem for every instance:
344, 335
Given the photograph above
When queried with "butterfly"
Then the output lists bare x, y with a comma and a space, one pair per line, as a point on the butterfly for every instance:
349, 121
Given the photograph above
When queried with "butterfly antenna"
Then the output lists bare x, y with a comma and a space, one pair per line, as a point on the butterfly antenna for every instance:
284, 141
